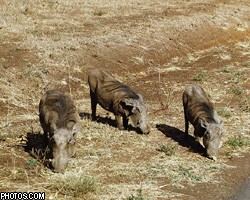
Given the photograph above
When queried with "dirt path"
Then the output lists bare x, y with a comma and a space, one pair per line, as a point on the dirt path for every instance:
243, 192
234, 183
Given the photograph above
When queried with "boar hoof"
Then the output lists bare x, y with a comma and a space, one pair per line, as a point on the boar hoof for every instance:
121, 128
214, 158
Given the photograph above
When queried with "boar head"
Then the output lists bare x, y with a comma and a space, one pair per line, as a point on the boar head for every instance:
63, 148
136, 110
212, 138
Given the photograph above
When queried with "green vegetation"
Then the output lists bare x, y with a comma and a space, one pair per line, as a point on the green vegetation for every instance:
238, 141
137, 197
200, 77
156, 48
237, 77
187, 173
168, 150
224, 112
237, 91
225, 69
31, 163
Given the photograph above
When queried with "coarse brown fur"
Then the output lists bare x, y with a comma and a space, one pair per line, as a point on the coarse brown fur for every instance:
59, 120
118, 98
200, 112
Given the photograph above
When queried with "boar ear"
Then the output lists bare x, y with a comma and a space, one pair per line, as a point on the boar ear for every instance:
220, 127
140, 97
221, 124
207, 136
71, 140
126, 102
75, 129
53, 126
128, 106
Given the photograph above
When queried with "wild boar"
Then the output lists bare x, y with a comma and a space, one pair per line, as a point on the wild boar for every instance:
60, 122
199, 111
118, 98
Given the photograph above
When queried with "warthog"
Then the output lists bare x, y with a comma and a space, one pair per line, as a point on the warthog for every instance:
199, 111
117, 98
60, 121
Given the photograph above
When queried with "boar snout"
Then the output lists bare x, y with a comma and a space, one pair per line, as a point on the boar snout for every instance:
212, 154
145, 130
212, 138
63, 146
59, 163
212, 146
143, 124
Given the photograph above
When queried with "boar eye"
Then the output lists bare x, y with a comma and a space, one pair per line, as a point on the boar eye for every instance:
70, 141
207, 135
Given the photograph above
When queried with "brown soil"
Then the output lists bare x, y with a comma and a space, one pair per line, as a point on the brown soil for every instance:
198, 47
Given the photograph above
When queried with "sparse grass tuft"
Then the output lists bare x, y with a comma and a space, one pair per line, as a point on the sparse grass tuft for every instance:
224, 112
73, 183
237, 91
99, 12
200, 77
137, 197
168, 150
225, 69
165, 94
53, 44
238, 142
31, 163
188, 174
237, 77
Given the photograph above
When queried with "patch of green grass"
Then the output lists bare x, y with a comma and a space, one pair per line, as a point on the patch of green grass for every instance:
200, 77
188, 173
237, 91
237, 77
177, 185
239, 74
245, 107
238, 142
168, 150
31, 163
225, 69
224, 113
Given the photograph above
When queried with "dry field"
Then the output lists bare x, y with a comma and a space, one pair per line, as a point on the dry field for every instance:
157, 47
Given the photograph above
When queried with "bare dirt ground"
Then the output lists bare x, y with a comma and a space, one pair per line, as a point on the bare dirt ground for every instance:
157, 47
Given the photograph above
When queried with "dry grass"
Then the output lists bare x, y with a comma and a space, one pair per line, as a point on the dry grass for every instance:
158, 47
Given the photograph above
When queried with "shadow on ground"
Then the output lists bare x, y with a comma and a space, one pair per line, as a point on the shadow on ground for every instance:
37, 147
184, 140
107, 121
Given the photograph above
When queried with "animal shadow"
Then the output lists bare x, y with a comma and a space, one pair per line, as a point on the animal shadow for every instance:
37, 147
183, 139
108, 121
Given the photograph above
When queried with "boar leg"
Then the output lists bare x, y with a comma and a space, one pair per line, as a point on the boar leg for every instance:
93, 104
125, 122
71, 150
196, 133
186, 123
46, 137
119, 122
